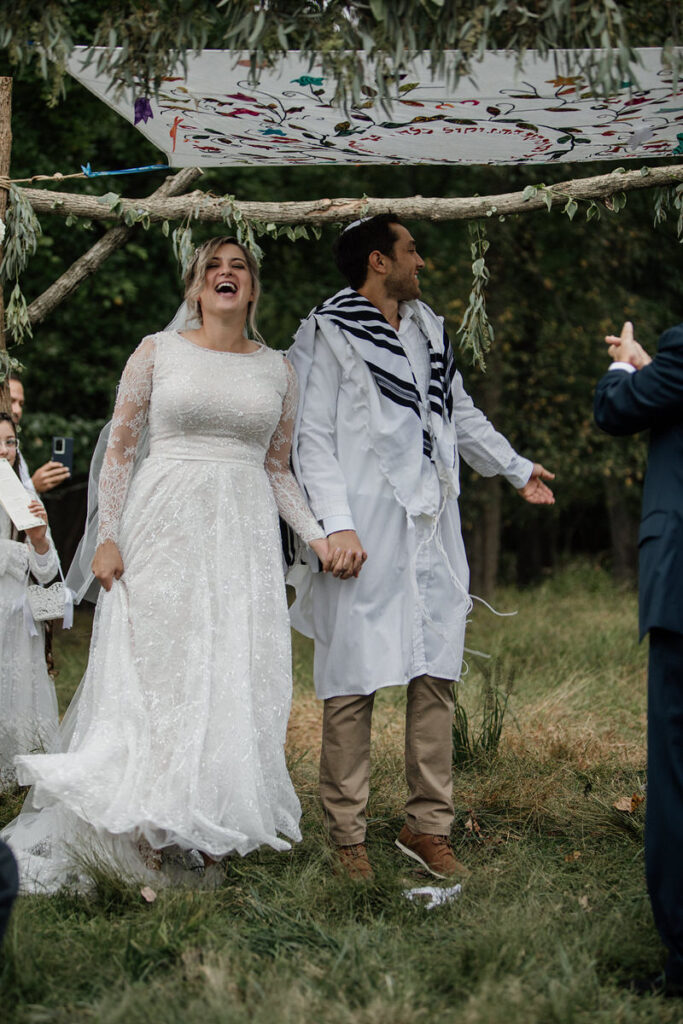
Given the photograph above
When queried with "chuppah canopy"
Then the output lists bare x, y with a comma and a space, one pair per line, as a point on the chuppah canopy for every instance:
213, 114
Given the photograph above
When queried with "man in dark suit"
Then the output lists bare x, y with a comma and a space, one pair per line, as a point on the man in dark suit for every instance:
640, 393
9, 885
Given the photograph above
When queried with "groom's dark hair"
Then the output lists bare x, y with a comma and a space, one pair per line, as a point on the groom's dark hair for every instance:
354, 245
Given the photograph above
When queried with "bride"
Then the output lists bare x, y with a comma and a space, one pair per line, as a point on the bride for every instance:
176, 737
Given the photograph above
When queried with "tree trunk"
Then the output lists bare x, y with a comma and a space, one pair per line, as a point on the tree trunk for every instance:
5, 152
530, 549
483, 547
623, 528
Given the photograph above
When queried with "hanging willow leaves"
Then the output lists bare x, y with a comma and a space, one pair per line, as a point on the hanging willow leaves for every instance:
664, 199
476, 330
22, 233
143, 41
21, 239
17, 321
8, 365
183, 247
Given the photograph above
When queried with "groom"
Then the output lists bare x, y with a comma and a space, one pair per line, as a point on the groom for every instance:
383, 421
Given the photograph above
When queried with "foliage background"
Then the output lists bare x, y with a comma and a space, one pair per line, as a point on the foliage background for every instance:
556, 289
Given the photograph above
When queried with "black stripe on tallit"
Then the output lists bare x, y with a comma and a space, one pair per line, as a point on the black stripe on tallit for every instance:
449, 374
398, 382
356, 329
357, 316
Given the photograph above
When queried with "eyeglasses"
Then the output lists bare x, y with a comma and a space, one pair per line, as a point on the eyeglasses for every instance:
10, 442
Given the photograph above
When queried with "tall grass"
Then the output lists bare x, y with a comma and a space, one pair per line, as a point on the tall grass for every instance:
470, 747
552, 919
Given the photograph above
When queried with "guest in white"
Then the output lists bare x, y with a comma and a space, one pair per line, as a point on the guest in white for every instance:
177, 738
383, 421
28, 705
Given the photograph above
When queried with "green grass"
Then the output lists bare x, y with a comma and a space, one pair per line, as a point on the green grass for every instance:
553, 917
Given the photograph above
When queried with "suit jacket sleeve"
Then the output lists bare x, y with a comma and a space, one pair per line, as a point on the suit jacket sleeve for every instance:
626, 403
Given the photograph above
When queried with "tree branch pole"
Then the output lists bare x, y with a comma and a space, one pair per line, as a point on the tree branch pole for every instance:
5, 154
92, 260
202, 207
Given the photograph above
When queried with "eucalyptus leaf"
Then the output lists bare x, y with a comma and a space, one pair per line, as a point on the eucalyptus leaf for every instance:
140, 44
570, 208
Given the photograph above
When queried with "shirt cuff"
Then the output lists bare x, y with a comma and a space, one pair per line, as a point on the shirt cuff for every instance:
518, 473
622, 366
42, 561
333, 524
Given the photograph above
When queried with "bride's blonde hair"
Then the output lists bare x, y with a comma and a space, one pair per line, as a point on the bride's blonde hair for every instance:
193, 278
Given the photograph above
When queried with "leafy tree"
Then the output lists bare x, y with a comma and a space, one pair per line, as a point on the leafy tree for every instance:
556, 287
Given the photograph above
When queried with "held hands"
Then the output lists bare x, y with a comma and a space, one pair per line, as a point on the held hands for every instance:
346, 554
625, 348
49, 475
322, 550
534, 490
38, 534
107, 565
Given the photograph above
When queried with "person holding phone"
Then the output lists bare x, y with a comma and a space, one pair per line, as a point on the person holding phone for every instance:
50, 474
28, 705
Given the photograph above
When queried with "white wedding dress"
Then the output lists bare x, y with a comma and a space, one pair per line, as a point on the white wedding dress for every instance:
176, 736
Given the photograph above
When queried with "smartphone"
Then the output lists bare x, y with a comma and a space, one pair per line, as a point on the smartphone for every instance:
63, 451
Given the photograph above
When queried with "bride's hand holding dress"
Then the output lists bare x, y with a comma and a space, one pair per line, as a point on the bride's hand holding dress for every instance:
107, 565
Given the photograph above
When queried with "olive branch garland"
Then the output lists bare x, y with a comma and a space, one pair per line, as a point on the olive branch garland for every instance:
476, 333
22, 230
246, 232
476, 329
20, 243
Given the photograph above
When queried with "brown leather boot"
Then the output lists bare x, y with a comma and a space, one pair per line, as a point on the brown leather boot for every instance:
353, 862
433, 852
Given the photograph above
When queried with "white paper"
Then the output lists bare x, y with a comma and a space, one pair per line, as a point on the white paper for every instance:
15, 499
431, 896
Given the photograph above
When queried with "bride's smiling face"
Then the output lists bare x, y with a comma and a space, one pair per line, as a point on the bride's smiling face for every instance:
228, 286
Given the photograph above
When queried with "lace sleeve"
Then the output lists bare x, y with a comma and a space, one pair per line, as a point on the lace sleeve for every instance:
288, 496
130, 417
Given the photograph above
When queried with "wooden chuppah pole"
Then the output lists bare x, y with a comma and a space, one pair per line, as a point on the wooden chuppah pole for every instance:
207, 208
5, 154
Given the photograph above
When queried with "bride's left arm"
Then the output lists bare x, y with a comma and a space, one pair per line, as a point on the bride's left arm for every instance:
289, 498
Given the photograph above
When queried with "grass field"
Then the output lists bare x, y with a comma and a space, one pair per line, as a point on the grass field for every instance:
553, 918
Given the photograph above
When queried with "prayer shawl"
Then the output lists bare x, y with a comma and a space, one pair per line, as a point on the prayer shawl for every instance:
402, 429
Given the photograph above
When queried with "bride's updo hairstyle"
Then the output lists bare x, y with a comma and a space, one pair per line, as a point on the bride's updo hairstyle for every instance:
196, 272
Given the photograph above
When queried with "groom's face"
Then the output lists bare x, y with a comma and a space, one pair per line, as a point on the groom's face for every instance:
403, 267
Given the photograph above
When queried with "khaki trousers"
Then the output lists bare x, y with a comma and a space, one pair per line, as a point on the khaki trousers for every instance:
345, 760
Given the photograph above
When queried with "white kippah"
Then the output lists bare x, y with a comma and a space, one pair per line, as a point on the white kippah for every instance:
355, 223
